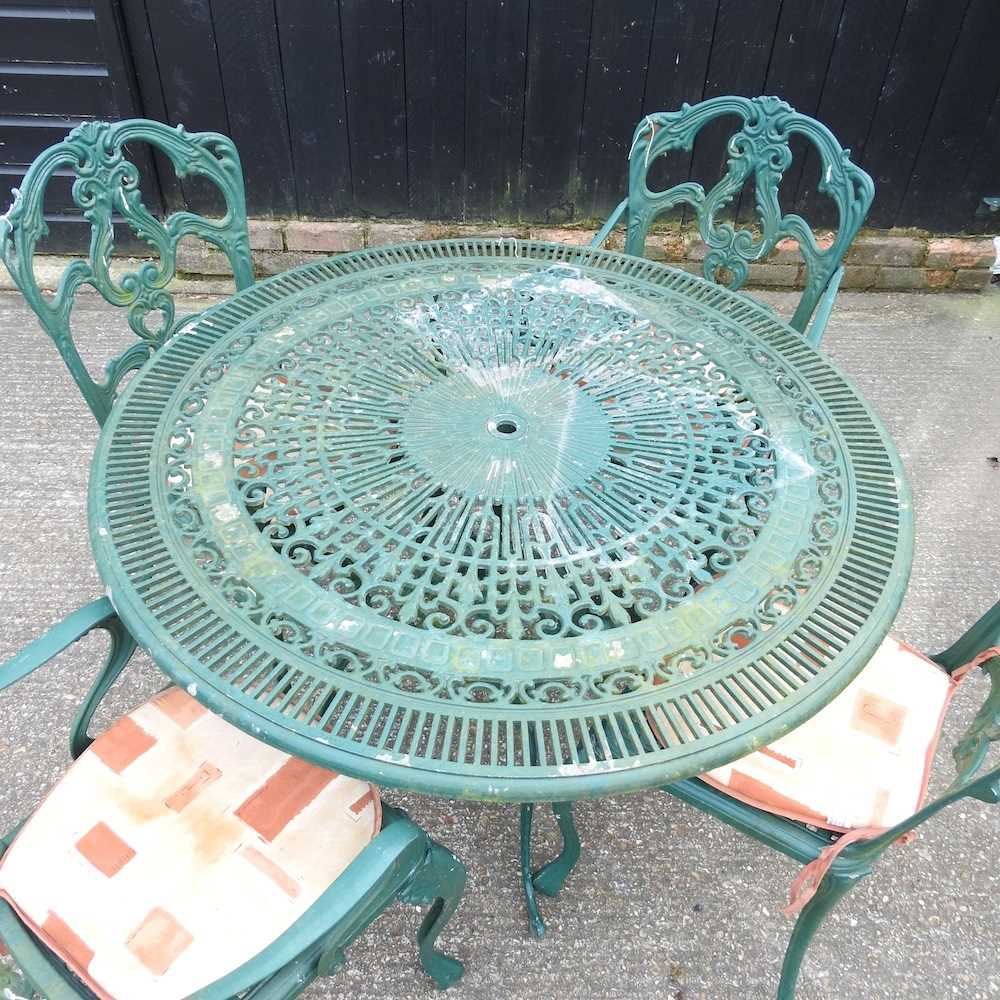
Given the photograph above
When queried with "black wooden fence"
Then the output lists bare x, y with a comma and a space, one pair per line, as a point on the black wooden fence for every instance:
512, 109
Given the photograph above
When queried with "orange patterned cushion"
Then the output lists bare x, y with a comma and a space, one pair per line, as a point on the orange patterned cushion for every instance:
864, 760
177, 847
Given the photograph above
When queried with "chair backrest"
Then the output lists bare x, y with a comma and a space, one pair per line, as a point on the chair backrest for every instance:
760, 147
106, 188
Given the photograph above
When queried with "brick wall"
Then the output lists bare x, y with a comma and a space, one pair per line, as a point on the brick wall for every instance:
885, 260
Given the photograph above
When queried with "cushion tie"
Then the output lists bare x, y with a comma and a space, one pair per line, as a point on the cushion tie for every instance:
808, 880
963, 671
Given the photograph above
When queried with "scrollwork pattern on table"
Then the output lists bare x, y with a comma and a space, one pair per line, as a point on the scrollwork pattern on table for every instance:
675, 480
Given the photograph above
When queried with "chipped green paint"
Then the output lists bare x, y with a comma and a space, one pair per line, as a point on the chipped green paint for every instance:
13, 985
760, 148
401, 863
106, 187
439, 503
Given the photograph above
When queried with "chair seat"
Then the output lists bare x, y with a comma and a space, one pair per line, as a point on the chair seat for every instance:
863, 760
178, 847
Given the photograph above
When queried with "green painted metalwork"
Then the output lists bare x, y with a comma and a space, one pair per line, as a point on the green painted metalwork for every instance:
550, 877
12, 981
97, 615
412, 512
760, 148
401, 863
107, 190
804, 843
856, 860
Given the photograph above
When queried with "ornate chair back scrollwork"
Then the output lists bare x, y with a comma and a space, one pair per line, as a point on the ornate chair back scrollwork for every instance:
107, 186
760, 148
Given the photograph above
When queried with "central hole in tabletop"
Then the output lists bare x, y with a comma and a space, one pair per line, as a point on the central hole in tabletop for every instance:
506, 427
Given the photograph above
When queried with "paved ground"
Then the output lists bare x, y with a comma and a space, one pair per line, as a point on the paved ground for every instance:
665, 902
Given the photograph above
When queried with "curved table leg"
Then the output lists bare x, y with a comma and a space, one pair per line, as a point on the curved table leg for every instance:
551, 877
527, 877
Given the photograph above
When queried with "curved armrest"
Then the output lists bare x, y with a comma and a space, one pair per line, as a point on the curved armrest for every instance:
979, 637
368, 884
98, 614
985, 788
37, 653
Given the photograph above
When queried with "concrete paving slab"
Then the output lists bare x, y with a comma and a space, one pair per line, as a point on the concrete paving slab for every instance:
665, 902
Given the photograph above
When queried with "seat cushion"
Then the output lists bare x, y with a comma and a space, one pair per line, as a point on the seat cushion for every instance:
178, 847
863, 760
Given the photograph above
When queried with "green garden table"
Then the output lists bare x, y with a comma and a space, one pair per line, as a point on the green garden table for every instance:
501, 520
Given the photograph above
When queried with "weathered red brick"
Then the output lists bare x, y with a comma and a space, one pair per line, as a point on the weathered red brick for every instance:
773, 275
385, 233
914, 278
896, 251
575, 237
787, 251
956, 252
265, 235
324, 237
859, 277
969, 280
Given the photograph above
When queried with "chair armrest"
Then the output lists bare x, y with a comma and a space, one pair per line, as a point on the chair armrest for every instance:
792, 839
358, 895
605, 231
985, 788
976, 639
59, 637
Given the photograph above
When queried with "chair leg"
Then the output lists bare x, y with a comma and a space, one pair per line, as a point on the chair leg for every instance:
830, 891
527, 876
441, 878
551, 877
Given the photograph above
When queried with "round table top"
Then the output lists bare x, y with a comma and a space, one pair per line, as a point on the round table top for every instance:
500, 519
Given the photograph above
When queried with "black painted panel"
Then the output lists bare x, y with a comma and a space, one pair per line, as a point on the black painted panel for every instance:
372, 39
516, 110
313, 69
495, 63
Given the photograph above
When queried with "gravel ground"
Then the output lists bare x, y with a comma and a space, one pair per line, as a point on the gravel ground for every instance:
665, 902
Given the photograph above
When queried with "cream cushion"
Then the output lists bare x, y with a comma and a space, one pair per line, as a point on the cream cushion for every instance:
863, 760
178, 847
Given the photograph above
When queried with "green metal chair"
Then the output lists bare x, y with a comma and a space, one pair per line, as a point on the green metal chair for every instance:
832, 868
400, 863
836, 872
761, 148
106, 188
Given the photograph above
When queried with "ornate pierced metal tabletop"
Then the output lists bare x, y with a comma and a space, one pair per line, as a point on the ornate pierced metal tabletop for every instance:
504, 520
